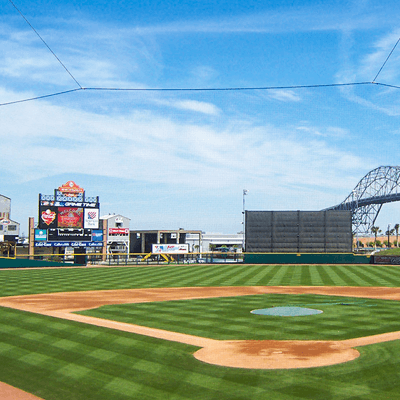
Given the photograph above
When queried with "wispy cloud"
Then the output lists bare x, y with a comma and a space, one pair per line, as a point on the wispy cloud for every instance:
318, 17
190, 105
159, 149
284, 95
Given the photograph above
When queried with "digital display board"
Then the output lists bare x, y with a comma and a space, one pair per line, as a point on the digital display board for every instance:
55, 235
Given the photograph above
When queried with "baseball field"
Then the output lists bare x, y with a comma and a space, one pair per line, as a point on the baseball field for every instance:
187, 332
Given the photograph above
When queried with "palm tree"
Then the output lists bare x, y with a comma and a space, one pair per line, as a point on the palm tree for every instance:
389, 232
396, 228
375, 230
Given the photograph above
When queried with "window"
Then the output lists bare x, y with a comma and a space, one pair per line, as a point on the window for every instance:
12, 228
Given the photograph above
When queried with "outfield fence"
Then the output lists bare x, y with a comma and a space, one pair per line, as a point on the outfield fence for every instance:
131, 258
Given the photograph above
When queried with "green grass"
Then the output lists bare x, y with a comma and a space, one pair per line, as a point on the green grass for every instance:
390, 252
57, 359
230, 318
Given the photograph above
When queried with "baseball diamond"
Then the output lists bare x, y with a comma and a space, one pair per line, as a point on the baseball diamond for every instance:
53, 351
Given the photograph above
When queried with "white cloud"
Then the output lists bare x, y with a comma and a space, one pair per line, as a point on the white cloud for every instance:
190, 105
323, 131
284, 95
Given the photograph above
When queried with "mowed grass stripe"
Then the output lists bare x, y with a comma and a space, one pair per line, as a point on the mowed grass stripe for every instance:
209, 278
331, 277
369, 276
241, 275
383, 276
28, 282
260, 274
351, 276
315, 277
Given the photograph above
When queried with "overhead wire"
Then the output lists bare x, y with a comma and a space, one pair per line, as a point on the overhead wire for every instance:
188, 89
51, 51
40, 97
387, 58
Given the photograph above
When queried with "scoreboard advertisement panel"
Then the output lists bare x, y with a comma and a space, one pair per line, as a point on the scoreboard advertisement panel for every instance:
69, 217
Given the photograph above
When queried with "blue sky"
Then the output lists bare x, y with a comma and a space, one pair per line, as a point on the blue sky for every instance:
176, 159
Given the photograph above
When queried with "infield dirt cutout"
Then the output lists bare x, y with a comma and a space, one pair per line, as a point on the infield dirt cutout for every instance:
259, 354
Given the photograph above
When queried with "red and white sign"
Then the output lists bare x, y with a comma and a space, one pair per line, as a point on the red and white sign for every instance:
70, 217
118, 231
70, 189
48, 216
5, 221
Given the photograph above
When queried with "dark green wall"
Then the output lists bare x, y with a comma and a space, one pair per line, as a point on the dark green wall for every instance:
306, 258
23, 263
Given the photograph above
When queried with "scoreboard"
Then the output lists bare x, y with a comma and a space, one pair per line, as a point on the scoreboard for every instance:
68, 218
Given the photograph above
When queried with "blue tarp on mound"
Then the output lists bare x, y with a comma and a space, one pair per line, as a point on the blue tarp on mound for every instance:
289, 311
23, 263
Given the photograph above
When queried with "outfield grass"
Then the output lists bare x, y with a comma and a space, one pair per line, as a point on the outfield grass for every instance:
390, 252
57, 359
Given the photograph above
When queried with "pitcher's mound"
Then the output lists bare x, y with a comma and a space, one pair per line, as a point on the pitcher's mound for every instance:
271, 354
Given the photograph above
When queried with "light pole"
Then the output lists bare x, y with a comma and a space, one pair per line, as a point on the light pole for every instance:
243, 214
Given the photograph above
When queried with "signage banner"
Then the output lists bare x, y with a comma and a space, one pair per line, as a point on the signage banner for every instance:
97, 236
118, 231
170, 248
40, 235
91, 218
70, 217
68, 244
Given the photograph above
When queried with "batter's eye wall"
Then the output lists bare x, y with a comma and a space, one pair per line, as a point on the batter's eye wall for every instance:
298, 231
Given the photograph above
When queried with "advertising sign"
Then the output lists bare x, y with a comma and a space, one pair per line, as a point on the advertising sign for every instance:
91, 218
68, 244
170, 248
118, 231
70, 189
70, 217
47, 217
97, 235
40, 235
